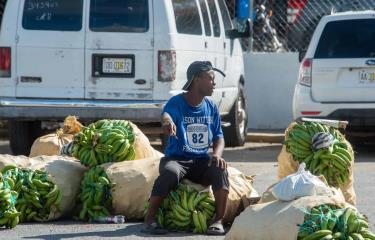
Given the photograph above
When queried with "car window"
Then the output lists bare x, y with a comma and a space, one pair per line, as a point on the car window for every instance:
214, 17
347, 39
225, 14
187, 17
206, 20
58, 15
119, 15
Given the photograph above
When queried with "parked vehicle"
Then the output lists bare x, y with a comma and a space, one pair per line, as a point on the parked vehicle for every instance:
337, 75
265, 36
112, 59
304, 15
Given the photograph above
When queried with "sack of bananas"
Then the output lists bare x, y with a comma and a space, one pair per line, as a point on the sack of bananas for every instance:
330, 222
37, 196
95, 195
104, 141
323, 149
9, 216
186, 209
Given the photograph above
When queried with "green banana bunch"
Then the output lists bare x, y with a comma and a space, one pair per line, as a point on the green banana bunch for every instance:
104, 141
186, 209
9, 216
36, 194
330, 222
333, 162
95, 195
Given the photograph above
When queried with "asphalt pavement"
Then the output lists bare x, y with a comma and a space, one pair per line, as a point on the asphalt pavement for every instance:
259, 159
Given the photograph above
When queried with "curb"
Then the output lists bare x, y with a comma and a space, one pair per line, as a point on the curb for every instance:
265, 137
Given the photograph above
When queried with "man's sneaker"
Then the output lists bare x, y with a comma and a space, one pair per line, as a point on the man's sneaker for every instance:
153, 229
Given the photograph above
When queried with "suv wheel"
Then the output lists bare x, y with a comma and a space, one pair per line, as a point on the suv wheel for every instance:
22, 135
235, 134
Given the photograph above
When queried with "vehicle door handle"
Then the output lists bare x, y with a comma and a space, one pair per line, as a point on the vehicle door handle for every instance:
205, 44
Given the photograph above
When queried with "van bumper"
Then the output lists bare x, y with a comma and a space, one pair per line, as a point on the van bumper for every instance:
50, 109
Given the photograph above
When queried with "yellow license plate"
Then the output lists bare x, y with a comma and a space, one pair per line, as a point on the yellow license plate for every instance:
366, 76
117, 65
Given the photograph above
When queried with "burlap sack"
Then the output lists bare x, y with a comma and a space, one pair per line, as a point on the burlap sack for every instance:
277, 220
19, 161
287, 165
67, 173
240, 192
142, 145
134, 181
51, 144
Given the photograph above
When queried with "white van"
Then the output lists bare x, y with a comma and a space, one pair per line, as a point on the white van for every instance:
337, 74
112, 59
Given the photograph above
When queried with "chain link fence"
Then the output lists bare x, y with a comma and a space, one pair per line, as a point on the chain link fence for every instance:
293, 21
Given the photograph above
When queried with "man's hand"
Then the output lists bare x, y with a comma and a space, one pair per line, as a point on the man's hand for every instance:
218, 161
169, 128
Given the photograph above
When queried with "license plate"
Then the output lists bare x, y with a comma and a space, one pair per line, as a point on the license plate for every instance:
117, 65
366, 76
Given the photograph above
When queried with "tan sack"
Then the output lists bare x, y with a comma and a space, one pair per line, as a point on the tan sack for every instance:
19, 161
67, 173
51, 144
240, 192
287, 165
142, 145
134, 181
277, 220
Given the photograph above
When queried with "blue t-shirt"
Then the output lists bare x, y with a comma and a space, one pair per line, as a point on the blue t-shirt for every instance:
196, 127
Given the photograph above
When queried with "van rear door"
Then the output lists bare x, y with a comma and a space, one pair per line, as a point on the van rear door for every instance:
50, 49
343, 68
119, 50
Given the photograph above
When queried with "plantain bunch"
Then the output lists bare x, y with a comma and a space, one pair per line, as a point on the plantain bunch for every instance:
334, 160
104, 141
37, 196
9, 216
329, 222
95, 195
186, 209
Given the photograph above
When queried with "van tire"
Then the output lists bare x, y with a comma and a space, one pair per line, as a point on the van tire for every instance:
235, 134
22, 135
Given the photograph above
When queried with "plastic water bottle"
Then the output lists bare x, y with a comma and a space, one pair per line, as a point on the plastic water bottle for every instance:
111, 219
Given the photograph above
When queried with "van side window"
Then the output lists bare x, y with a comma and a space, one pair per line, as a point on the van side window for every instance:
187, 17
225, 14
206, 20
214, 17
119, 16
56, 15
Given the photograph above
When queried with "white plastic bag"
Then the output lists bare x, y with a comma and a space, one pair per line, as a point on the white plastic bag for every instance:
300, 184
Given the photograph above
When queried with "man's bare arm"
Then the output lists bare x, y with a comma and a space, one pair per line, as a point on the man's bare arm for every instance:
218, 148
168, 126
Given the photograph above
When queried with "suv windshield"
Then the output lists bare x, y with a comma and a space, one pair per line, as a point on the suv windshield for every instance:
119, 16
347, 39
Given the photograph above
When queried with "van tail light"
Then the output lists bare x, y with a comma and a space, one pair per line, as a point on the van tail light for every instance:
5, 60
304, 76
166, 66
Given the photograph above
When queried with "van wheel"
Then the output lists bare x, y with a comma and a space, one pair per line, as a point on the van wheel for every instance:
22, 135
235, 134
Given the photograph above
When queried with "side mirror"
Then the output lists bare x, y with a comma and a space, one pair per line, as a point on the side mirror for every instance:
301, 54
234, 33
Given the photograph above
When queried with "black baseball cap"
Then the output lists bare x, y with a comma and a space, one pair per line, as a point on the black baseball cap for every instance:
196, 68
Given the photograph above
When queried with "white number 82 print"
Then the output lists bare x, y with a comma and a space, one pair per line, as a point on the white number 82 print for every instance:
197, 135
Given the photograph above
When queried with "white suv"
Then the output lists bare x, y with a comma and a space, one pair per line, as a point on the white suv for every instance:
337, 75
112, 59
